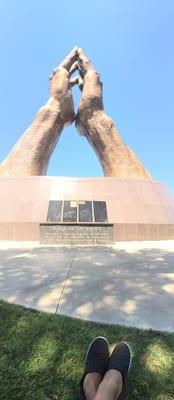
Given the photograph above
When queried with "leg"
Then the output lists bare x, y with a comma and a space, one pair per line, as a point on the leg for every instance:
111, 386
95, 366
90, 385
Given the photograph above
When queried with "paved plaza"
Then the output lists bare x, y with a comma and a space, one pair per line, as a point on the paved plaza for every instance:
128, 283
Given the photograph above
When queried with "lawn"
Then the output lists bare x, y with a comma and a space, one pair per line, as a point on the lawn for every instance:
42, 355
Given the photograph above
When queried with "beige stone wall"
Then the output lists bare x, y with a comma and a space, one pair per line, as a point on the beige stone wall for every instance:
122, 232
26, 231
94, 235
139, 209
133, 201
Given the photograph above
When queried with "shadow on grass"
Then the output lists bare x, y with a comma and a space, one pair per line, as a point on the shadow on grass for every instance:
42, 356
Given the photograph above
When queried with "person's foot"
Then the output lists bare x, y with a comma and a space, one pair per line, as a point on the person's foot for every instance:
120, 360
96, 362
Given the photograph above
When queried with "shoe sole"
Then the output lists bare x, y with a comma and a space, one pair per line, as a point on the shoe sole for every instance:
130, 362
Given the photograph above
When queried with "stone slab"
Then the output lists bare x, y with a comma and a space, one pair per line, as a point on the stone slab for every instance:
123, 285
75, 234
129, 283
34, 276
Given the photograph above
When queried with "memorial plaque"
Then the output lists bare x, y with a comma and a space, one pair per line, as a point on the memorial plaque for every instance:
100, 212
85, 211
70, 211
54, 211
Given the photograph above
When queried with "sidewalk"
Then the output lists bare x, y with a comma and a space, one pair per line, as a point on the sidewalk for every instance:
130, 283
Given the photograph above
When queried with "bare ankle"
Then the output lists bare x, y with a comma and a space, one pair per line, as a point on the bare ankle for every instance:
90, 384
110, 387
114, 377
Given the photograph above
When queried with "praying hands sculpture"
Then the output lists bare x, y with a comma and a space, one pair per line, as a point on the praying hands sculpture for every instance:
31, 154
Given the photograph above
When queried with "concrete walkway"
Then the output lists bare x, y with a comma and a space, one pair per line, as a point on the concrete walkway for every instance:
129, 283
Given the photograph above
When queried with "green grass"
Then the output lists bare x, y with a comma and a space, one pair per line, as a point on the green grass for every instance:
42, 355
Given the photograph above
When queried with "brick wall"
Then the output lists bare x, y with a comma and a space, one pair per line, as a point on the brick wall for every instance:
76, 234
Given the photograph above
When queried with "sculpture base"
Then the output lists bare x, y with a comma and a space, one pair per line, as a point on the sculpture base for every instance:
137, 209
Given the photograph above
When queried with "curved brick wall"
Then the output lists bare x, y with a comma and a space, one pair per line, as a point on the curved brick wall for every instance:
24, 203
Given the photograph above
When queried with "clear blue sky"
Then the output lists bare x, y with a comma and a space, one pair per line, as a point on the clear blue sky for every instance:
131, 43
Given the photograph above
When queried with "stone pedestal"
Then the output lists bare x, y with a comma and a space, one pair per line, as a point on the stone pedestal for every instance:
138, 209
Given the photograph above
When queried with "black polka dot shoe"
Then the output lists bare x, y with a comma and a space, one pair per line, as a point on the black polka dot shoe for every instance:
121, 360
96, 360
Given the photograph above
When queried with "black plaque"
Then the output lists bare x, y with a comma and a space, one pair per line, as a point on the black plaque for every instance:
85, 211
54, 211
100, 212
70, 211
